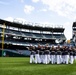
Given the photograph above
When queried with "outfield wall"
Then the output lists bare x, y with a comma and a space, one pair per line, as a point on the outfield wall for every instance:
14, 53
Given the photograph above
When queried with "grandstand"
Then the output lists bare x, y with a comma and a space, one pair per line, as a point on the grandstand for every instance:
18, 36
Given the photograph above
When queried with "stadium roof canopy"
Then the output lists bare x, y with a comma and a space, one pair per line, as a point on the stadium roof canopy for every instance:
31, 27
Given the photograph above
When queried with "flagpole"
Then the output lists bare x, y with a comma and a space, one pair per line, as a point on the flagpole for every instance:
3, 31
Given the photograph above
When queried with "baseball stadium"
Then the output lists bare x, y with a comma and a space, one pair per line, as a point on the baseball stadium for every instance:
27, 49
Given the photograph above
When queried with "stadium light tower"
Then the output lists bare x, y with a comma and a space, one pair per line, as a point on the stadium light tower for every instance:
3, 38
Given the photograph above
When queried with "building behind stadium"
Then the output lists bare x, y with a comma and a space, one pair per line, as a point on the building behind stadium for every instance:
74, 33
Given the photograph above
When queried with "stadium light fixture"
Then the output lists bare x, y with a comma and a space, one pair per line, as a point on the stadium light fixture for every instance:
18, 21
33, 24
15, 20
29, 23
25, 23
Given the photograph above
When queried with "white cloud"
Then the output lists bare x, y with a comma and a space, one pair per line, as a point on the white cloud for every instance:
21, 19
28, 9
35, 1
44, 10
9, 19
66, 8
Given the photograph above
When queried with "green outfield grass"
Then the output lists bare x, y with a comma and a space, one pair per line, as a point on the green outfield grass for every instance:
21, 66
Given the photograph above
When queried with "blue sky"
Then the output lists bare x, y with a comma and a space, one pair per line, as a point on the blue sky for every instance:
53, 12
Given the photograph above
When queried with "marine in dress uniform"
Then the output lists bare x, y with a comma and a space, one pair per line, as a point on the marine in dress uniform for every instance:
32, 60
52, 54
59, 56
37, 56
71, 58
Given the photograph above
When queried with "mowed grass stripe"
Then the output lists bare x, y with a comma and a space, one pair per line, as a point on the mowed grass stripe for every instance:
21, 66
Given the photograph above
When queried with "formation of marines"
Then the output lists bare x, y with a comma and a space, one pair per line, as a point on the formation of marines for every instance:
53, 55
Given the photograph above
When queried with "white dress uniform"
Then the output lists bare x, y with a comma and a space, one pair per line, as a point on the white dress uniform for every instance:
74, 53
63, 55
41, 56
47, 55
59, 58
37, 56
52, 53
66, 56
32, 60
71, 58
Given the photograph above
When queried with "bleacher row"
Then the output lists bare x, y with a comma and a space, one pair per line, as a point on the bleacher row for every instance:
33, 35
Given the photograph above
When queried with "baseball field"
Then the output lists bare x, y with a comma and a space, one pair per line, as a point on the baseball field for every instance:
21, 66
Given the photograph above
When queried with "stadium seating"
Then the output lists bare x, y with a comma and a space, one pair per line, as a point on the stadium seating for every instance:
22, 36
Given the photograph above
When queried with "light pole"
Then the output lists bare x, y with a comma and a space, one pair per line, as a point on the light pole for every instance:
3, 31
